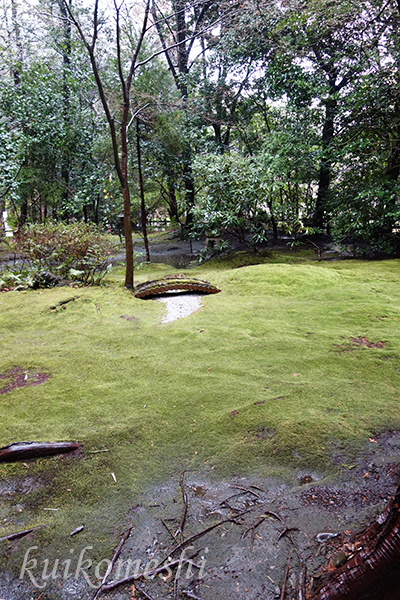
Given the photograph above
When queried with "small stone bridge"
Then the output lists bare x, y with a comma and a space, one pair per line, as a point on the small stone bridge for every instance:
174, 283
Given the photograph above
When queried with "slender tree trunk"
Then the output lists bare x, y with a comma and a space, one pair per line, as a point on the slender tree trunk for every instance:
273, 220
23, 215
66, 54
181, 34
141, 187
120, 162
172, 201
129, 278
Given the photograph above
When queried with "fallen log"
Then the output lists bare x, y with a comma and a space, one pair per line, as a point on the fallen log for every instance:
373, 573
25, 450
20, 534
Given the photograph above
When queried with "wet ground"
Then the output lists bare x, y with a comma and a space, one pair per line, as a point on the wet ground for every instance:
241, 535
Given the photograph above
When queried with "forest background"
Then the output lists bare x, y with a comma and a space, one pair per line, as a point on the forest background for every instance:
257, 116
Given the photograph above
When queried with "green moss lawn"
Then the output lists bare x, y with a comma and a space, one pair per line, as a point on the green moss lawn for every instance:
264, 380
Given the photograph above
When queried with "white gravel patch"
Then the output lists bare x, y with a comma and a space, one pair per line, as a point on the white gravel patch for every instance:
180, 306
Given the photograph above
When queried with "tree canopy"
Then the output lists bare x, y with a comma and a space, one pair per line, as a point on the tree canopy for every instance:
255, 118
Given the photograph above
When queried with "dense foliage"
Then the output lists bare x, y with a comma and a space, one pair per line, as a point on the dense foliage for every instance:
54, 253
257, 118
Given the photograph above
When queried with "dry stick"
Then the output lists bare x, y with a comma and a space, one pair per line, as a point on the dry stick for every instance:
169, 531
207, 530
111, 586
233, 508
257, 488
185, 508
230, 497
144, 594
253, 527
286, 531
272, 514
20, 534
110, 567
285, 578
77, 530
238, 487
268, 513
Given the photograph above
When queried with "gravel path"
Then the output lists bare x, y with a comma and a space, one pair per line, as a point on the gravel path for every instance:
180, 306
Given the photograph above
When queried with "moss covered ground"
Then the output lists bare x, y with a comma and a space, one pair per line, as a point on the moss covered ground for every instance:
293, 361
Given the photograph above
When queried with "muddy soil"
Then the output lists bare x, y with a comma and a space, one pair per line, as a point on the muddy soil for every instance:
264, 525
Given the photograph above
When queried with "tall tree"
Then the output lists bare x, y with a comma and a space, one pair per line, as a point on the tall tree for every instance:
119, 141
177, 32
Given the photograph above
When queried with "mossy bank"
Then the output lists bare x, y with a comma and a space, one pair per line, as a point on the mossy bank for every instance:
291, 366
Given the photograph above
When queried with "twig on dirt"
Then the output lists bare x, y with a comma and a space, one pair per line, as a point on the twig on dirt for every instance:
238, 487
246, 491
253, 527
169, 531
144, 594
179, 531
63, 302
257, 488
230, 498
285, 577
207, 530
20, 534
286, 531
233, 508
272, 514
110, 567
268, 513
148, 574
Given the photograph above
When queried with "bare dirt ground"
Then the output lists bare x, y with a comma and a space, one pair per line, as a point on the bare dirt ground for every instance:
243, 535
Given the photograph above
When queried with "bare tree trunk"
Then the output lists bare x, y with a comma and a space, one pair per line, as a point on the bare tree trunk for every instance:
66, 54
120, 149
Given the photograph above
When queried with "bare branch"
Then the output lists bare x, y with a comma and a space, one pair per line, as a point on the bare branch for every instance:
118, 37
95, 24
138, 45
167, 48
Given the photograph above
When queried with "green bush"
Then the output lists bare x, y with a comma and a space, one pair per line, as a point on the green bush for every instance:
77, 252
